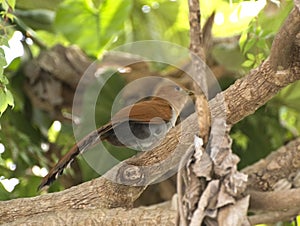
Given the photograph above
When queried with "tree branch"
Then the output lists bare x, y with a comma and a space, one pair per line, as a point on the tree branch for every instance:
163, 214
278, 166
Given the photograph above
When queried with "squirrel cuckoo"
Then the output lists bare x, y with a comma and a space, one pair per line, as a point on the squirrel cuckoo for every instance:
136, 126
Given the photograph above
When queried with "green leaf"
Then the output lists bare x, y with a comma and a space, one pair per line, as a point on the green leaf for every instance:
290, 119
11, 3
248, 45
3, 41
262, 44
250, 56
3, 101
5, 6
9, 98
240, 139
10, 16
53, 132
247, 63
3, 80
259, 58
52, 39
6, 99
2, 54
243, 39
93, 29
78, 21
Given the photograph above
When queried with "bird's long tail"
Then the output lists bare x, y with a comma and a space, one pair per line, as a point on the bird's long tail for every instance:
88, 141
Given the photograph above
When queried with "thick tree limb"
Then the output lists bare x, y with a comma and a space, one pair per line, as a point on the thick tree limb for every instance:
280, 166
274, 185
162, 214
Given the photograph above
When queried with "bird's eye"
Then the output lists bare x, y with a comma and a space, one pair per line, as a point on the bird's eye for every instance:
177, 88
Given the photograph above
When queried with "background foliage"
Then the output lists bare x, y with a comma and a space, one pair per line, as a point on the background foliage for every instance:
96, 26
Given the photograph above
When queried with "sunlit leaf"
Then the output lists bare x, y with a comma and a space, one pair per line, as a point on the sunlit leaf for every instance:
3, 41
89, 27
290, 119
10, 16
240, 139
2, 57
243, 39
9, 98
250, 56
11, 3
3, 101
3, 80
54, 131
4, 5
247, 63
51, 39
248, 45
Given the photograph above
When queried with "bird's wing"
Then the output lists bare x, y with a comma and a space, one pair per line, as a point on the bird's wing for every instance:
154, 110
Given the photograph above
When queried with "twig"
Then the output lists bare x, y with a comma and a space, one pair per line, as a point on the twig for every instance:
199, 67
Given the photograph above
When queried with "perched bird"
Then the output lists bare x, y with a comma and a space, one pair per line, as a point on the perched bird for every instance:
138, 126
